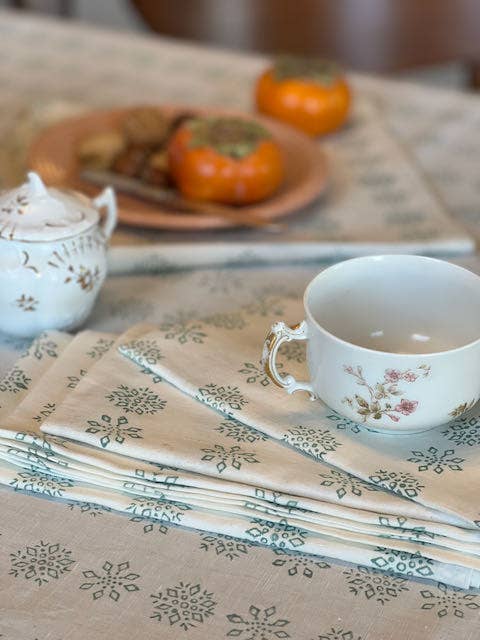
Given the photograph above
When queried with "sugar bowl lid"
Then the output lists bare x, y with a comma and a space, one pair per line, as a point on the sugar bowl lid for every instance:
32, 212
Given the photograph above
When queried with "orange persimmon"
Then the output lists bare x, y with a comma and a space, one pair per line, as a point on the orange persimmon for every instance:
309, 94
225, 160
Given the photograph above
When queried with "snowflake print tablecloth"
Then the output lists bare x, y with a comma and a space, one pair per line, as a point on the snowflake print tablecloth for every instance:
73, 566
131, 572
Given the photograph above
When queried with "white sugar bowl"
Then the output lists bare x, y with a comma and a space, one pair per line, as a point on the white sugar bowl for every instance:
53, 249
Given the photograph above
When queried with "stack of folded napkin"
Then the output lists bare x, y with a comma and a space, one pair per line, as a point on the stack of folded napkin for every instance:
179, 424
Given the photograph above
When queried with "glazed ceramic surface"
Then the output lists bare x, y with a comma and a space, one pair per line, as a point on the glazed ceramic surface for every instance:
52, 256
393, 341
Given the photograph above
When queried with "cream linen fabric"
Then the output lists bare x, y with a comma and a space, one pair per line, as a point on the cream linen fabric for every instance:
312, 525
438, 468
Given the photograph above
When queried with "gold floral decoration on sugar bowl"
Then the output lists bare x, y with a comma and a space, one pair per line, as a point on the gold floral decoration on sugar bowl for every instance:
53, 246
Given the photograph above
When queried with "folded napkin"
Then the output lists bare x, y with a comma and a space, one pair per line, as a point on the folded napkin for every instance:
177, 439
75, 470
439, 469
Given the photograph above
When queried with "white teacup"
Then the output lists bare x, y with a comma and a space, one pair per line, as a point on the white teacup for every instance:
393, 341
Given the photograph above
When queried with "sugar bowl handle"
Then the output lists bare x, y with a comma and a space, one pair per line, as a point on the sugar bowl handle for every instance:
278, 334
107, 199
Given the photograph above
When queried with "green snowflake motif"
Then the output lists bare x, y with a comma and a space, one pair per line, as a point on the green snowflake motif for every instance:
258, 624
280, 535
293, 350
375, 585
45, 411
32, 437
41, 562
14, 381
91, 508
448, 600
299, 564
114, 429
100, 348
43, 347
229, 321
163, 475
265, 305
313, 441
146, 353
343, 424
225, 546
398, 523
37, 481
182, 327
409, 564
240, 432
110, 580
254, 373
221, 281
224, 398
277, 498
72, 381
339, 634
345, 483
436, 461
225, 457
154, 512
185, 604
139, 400
464, 431
400, 482
38, 456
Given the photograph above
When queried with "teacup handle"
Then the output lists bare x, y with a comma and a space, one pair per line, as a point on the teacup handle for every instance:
107, 199
280, 333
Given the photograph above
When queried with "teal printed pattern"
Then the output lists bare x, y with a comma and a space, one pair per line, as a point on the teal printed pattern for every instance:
43, 347
314, 442
343, 424
434, 460
446, 601
224, 398
375, 585
293, 351
90, 508
344, 483
139, 400
41, 562
224, 546
240, 432
276, 534
225, 457
182, 327
47, 410
186, 605
401, 482
230, 321
144, 352
114, 429
339, 634
410, 564
14, 381
154, 512
99, 349
258, 624
111, 580
37, 481
254, 373
464, 431
299, 564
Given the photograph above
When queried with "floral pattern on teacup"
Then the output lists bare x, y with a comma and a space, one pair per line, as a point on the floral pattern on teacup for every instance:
383, 397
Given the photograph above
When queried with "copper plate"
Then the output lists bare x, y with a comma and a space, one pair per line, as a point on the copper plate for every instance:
53, 156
